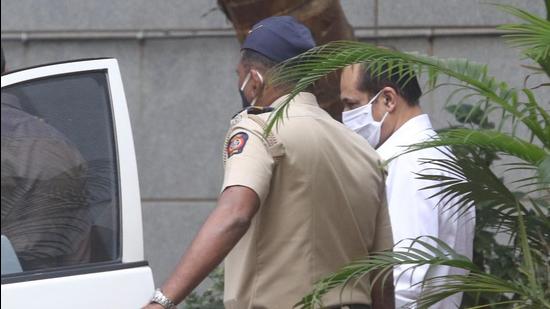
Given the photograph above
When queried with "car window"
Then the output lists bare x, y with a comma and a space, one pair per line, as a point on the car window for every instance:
60, 191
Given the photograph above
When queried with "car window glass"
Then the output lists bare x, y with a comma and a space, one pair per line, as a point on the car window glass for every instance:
60, 196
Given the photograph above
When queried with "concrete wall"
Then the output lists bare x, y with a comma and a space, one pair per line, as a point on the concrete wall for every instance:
178, 58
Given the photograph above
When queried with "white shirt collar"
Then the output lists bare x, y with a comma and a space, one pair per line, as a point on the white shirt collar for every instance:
409, 133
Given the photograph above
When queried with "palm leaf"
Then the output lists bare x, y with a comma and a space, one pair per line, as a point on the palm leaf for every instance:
487, 139
543, 171
468, 179
439, 288
465, 181
304, 70
533, 35
427, 251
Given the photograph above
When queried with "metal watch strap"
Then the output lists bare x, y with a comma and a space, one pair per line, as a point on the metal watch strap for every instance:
162, 300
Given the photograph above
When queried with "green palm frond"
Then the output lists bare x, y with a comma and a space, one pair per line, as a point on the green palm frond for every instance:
518, 207
471, 114
439, 288
534, 109
462, 184
427, 251
543, 171
533, 35
465, 181
487, 139
304, 70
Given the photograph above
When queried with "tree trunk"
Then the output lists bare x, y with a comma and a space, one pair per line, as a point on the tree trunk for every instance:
325, 19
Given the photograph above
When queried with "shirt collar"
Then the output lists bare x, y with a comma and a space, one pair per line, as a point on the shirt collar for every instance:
302, 97
409, 133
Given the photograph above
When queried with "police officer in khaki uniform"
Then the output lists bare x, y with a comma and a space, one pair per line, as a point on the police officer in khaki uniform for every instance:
296, 205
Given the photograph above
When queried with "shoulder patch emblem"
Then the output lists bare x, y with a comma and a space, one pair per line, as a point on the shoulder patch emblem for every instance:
236, 144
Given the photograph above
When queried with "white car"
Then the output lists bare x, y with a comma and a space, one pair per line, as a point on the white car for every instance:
71, 213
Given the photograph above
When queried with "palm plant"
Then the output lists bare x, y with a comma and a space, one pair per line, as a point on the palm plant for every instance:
325, 19
517, 208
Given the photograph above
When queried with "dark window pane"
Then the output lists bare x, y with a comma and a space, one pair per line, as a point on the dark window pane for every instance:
60, 198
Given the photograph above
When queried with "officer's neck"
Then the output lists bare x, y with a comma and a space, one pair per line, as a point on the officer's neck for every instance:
269, 95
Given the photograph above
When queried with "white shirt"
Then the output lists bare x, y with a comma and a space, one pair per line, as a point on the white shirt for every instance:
414, 214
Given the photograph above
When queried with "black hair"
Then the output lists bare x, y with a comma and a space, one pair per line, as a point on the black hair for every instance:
250, 58
403, 80
3, 61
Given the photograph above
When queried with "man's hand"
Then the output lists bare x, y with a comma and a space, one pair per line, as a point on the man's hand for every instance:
222, 230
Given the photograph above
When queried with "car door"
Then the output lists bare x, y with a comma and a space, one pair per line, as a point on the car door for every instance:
71, 214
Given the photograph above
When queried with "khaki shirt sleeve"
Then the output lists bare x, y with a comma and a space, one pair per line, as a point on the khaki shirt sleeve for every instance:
383, 238
248, 162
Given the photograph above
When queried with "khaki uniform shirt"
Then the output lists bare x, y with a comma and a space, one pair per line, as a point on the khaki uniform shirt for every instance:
323, 205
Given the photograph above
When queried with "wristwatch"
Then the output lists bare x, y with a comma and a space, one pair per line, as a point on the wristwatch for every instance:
162, 300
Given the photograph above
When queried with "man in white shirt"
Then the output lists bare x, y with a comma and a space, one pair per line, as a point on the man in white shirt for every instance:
385, 110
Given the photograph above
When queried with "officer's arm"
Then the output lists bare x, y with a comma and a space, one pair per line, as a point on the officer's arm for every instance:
222, 230
383, 293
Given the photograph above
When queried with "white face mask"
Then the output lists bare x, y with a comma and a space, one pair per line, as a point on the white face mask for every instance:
361, 121
245, 101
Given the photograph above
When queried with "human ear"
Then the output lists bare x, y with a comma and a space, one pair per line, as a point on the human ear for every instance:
256, 83
256, 78
389, 99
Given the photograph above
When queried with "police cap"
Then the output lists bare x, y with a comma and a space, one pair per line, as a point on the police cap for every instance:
279, 38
